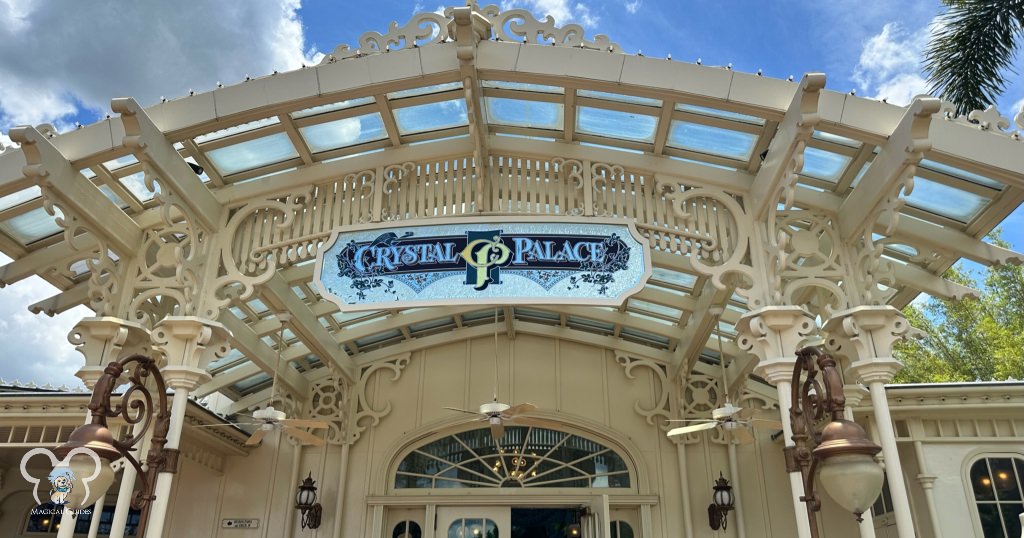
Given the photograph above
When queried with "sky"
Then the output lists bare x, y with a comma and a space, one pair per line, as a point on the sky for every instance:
65, 59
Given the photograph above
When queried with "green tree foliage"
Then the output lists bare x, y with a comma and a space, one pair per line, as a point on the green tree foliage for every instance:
970, 340
972, 50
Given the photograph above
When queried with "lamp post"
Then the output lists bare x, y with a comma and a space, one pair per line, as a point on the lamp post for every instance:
136, 406
841, 452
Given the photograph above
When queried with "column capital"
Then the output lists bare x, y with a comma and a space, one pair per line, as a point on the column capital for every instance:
184, 377
927, 481
866, 333
773, 334
102, 340
189, 341
854, 394
879, 370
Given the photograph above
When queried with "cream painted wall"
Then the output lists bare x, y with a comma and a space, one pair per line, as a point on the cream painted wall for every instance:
582, 385
954, 500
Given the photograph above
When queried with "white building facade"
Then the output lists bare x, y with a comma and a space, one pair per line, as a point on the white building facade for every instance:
773, 214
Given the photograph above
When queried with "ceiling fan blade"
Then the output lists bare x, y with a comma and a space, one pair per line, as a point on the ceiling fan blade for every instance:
303, 423
235, 424
741, 435
520, 409
766, 424
690, 420
497, 430
304, 436
461, 410
256, 437
694, 428
537, 422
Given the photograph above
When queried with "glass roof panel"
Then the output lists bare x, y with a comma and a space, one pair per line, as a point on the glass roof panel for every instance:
622, 98
30, 226
944, 200
136, 184
523, 113
113, 197
343, 133
714, 112
251, 383
704, 163
612, 148
860, 175
674, 277
252, 154
822, 164
120, 162
340, 105
822, 135
245, 127
962, 174
615, 124
522, 86
431, 116
425, 90
20, 197
653, 308
713, 140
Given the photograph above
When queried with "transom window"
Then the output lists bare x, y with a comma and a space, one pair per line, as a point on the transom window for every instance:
407, 529
997, 492
524, 457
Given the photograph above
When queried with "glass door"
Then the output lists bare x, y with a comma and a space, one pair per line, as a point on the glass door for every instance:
473, 522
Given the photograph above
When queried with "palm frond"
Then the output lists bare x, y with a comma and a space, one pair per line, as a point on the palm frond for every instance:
972, 50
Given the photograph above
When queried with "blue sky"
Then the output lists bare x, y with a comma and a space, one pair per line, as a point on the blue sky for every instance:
65, 60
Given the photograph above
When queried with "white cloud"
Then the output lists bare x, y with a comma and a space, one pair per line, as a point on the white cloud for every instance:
890, 64
81, 54
633, 6
563, 11
36, 348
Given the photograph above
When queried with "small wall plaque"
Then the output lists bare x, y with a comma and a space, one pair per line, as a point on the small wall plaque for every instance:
240, 523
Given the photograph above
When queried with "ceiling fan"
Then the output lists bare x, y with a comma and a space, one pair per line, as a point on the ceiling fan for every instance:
735, 422
269, 419
498, 414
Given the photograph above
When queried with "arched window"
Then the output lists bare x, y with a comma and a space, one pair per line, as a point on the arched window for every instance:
473, 528
997, 493
407, 529
621, 529
524, 457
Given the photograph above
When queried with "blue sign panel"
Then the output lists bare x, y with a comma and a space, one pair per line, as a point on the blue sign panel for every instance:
469, 261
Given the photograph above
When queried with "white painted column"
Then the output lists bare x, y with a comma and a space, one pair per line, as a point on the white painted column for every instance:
734, 472
97, 512
339, 504
103, 340
187, 344
866, 334
927, 481
606, 518
684, 490
854, 394
67, 524
774, 334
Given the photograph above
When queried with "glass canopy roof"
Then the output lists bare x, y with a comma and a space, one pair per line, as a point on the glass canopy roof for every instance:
677, 127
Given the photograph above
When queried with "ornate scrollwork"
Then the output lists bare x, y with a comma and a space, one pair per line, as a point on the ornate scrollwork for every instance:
363, 409
422, 29
604, 177
717, 238
520, 25
397, 177
659, 413
330, 402
570, 172
989, 120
